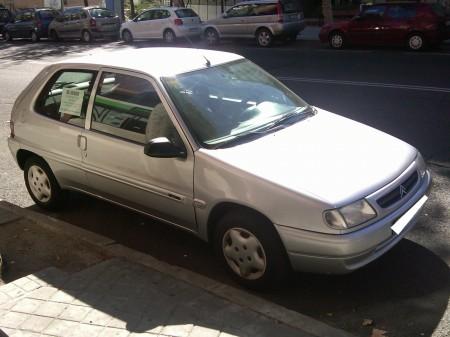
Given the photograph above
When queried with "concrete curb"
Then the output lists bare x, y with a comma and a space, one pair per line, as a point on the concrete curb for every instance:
240, 297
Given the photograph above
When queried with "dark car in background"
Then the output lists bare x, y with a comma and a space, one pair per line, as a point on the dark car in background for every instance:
30, 24
5, 17
85, 23
412, 24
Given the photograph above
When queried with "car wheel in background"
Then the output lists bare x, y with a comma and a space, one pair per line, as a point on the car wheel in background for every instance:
416, 42
7, 36
34, 37
264, 37
54, 35
336, 40
169, 36
86, 36
41, 184
251, 250
211, 36
126, 36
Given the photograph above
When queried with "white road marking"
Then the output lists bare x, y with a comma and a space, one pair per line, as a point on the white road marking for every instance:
364, 84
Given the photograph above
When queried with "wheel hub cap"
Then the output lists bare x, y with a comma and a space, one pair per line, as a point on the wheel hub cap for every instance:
415, 42
244, 253
336, 40
39, 183
264, 38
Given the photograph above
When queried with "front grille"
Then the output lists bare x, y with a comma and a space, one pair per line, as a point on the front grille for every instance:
400, 192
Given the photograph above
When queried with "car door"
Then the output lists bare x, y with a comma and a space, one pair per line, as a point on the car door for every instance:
233, 23
366, 27
141, 27
161, 21
397, 23
126, 113
59, 123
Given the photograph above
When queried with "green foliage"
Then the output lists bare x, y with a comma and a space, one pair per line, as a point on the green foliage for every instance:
143, 5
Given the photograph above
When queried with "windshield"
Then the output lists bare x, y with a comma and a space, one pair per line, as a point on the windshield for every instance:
226, 101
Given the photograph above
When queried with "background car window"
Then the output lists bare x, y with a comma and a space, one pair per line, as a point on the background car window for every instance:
373, 11
186, 13
83, 15
165, 14
291, 6
4, 16
24, 17
401, 12
237, 11
75, 16
266, 9
101, 13
145, 16
129, 107
47, 15
66, 96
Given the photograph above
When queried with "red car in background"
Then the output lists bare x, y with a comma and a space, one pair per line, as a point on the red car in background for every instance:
415, 25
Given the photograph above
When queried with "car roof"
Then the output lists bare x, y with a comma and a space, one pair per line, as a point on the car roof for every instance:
157, 62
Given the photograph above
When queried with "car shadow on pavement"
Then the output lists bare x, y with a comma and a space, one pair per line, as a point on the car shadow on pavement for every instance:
405, 292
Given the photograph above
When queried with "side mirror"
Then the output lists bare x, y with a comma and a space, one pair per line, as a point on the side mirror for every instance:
161, 147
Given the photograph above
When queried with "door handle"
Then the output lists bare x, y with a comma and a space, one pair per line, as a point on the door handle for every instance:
82, 142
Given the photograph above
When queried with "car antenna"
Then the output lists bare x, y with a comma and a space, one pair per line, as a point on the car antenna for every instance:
208, 63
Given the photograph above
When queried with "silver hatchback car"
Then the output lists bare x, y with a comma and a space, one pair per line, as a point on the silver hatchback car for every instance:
264, 20
220, 148
86, 24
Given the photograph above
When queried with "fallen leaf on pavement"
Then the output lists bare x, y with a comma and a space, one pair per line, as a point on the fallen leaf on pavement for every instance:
378, 333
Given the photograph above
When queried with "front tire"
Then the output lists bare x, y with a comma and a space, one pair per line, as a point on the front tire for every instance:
169, 36
34, 37
7, 36
251, 250
42, 185
264, 37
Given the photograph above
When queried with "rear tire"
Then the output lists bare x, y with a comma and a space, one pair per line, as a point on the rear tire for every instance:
251, 250
264, 38
211, 37
127, 37
416, 42
169, 36
86, 36
42, 185
336, 40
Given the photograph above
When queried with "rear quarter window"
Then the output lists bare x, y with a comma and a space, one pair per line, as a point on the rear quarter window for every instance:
265, 9
101, 13
65, 96
47, 15
185, 13
291, 6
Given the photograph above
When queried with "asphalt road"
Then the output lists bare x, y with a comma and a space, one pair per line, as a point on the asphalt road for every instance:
406, 292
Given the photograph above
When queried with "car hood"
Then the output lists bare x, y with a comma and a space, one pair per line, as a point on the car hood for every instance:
326, 156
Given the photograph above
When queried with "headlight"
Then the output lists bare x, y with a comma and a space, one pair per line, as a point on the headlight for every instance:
350, 215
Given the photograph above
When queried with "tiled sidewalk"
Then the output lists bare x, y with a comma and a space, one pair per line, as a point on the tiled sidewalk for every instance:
120, 298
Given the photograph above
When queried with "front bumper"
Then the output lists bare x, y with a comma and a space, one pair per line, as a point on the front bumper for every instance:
343, 253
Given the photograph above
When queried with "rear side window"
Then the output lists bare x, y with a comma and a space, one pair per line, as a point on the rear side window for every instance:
401, 12
123, 106
47, 15
241, 10
438, 9
265, 9
186, 13
25, 16
101, 13
4, 16
66, 95
291, 6
374, 11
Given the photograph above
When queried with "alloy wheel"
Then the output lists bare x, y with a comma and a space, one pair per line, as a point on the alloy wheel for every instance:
264, 38
337, 41
169, 36
211, 37
415, 42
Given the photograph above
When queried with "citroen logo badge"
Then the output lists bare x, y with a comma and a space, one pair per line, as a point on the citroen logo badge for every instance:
403, 191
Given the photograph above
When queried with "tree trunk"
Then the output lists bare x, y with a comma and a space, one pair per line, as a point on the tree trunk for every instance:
327, 11
132, 12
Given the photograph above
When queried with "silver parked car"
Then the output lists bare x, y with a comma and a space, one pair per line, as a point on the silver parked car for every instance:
167, 23
220, 148
263, 20
85, 23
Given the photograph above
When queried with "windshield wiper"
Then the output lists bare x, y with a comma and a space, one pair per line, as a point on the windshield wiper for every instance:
239, 138
299, 113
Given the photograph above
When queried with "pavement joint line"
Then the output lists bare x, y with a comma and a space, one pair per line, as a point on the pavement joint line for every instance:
364, 84
231, 294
